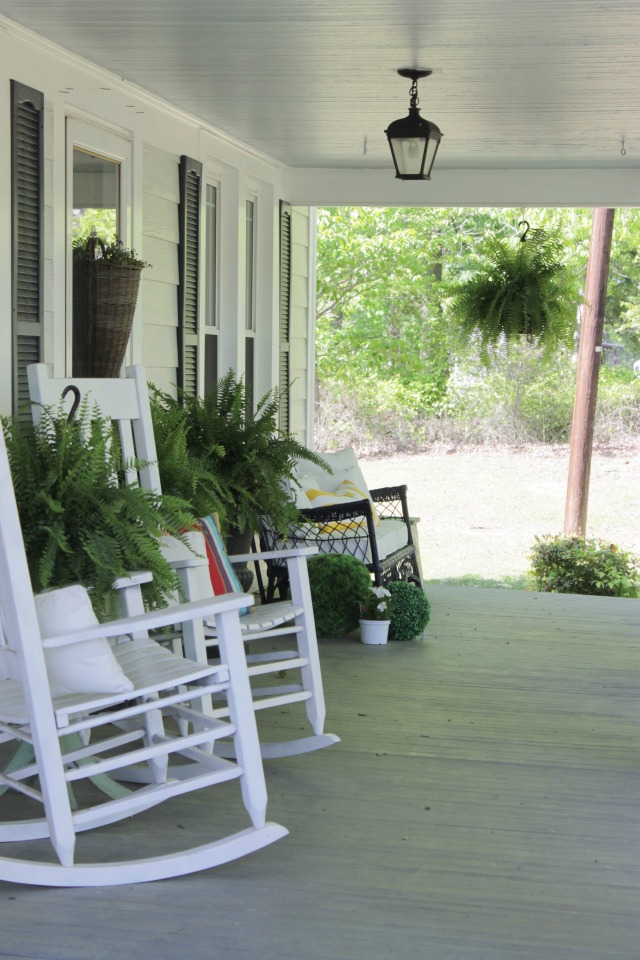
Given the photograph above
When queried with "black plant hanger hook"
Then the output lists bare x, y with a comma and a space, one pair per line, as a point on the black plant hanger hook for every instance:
527, 225
76, 401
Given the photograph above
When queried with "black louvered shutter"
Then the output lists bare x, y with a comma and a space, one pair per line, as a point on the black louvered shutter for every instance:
285, 314
27, 215
189, 289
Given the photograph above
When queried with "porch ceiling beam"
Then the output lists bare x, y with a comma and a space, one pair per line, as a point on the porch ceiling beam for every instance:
612, 187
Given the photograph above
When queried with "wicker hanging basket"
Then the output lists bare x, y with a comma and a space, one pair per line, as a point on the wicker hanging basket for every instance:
104, 302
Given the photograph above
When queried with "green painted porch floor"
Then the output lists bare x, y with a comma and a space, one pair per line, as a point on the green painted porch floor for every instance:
483, 805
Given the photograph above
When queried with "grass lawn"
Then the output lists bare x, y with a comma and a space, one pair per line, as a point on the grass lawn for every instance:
480, 508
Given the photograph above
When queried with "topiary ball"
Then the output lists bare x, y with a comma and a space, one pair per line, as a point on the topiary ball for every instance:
411, 610
338, 584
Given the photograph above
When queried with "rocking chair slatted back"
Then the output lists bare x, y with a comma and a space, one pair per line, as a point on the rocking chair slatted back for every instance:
125, 401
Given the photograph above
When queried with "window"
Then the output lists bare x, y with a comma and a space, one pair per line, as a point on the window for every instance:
211, 324
96, 196
99, 200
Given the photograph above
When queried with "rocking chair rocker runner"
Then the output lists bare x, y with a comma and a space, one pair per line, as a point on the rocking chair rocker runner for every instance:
163, 716
127, 402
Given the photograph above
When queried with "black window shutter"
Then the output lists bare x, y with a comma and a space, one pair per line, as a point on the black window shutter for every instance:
189, 288
27, 220
285, 315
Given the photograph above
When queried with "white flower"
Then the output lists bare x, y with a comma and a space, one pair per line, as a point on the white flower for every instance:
381, 606
380, 592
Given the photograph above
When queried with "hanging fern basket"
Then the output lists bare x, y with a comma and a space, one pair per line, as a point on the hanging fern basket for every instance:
521, 290
105, 293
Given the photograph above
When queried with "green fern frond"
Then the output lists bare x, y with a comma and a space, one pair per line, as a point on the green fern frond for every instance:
518, 290
80, 522
222, 457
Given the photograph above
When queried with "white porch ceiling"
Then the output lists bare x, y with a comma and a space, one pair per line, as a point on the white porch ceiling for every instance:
517, 84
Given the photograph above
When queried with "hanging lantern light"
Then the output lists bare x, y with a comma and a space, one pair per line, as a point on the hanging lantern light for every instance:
414, 141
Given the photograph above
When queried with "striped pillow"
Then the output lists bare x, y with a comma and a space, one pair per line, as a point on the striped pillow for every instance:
347, 492
223, 576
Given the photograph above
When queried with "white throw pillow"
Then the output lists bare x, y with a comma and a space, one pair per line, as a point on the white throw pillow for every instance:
341, 459
352, 475
299, 492
85, 667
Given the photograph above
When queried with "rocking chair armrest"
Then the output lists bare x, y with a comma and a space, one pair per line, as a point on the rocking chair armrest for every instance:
274, 554
134, 579
167, 616
181, 563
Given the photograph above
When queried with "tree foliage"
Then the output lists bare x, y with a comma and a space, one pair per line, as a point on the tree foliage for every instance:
384, 276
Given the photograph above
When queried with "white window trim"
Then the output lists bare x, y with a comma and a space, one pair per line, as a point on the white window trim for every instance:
209, 182
251, 331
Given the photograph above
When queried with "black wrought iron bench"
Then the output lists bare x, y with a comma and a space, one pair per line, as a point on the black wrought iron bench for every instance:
377, 531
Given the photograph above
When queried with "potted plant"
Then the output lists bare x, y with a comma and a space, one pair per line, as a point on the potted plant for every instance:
183, 472
79, 524
375, 616
339, 584
411, 611
106, 279
251, 459
517, 289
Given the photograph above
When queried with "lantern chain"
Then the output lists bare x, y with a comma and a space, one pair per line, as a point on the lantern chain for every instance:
413, 93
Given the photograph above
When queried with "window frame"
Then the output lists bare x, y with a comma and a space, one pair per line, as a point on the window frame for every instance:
112, 145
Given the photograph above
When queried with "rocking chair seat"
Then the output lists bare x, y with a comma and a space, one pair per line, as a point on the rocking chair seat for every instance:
267, 617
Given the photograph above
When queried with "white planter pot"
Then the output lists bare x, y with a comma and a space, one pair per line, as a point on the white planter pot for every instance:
374, 631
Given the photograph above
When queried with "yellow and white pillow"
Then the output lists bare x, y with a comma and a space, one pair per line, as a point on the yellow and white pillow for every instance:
347, 492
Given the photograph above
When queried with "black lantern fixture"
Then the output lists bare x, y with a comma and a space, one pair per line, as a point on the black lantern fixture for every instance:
414, 141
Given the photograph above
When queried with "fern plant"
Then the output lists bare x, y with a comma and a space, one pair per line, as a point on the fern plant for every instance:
517, 290
80, 522
84, 250
246, 452
186, 472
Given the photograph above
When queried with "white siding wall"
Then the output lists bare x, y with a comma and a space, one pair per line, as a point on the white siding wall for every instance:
160, 236
158, 135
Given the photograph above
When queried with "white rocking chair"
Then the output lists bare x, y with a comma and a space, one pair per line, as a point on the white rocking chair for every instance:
127, 402
133, 734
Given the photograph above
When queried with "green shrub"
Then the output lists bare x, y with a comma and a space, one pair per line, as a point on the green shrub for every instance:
339, 583
411, 610
618, 409
564, 564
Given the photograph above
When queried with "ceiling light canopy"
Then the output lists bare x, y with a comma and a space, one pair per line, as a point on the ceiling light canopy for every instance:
414, 141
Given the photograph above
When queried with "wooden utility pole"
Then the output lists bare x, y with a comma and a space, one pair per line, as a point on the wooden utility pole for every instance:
589, 356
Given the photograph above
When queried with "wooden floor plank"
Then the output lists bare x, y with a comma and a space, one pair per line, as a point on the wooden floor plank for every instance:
482, 805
